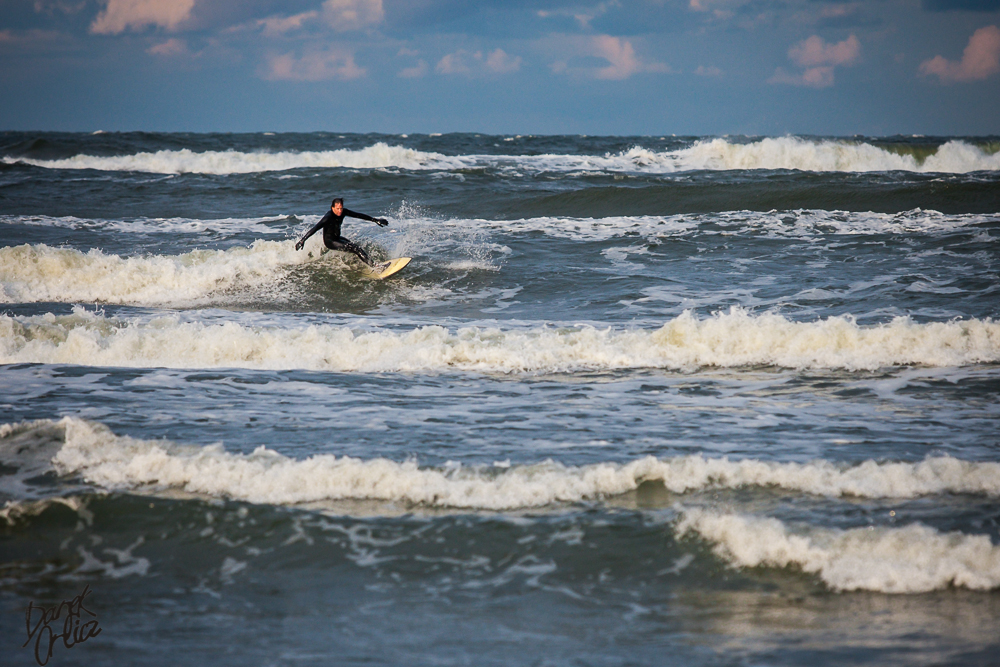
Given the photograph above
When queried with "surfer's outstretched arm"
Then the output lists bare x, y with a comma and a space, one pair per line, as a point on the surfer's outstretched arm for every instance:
381, 222
318, 226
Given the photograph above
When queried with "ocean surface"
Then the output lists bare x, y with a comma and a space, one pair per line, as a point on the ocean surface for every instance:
635, 401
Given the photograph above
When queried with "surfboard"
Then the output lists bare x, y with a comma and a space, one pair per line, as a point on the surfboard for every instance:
385, 269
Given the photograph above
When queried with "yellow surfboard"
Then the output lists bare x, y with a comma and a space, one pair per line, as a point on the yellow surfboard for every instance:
385, 269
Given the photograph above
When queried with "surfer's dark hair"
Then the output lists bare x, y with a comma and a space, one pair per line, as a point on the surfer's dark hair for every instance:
336, 201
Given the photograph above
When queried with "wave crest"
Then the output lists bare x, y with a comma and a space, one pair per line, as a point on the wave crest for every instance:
911, 559
732, 339
828, 155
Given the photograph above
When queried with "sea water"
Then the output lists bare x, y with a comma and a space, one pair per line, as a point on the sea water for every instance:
635, 401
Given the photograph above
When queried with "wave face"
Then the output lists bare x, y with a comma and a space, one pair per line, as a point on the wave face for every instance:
783, 153
731, 339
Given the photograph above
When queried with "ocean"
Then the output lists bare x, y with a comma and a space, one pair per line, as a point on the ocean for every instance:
635, 401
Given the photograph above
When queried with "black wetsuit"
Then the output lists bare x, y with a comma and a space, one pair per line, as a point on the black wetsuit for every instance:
330, 223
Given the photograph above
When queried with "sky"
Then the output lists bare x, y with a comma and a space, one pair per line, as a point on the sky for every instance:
613, 67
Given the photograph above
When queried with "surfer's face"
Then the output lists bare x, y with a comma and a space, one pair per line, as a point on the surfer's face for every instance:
337, 208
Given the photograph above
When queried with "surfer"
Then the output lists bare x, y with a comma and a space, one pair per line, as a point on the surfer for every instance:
330, 224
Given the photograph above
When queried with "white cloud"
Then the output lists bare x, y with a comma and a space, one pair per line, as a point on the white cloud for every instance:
814, 51
279, 25
818, 60
582, 15
720, 9
417, 71
344, 15
119, 15
469, 63
50, 7
316, 66
30, 38
499, 62
708, 71
457, 63
171, 47
980, 59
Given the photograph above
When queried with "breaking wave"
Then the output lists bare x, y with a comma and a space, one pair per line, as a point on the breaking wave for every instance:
101, 457
40, 273
909, 559
734, 339
832, 155
186, 161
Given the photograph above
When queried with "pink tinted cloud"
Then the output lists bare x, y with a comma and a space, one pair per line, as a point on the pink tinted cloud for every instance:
818, 60
316, 66
464, 62
814, 51
279, 25
171, 47
343, 15
980, 59
619, 54
500, 63
623, 62
119, 15
415, 72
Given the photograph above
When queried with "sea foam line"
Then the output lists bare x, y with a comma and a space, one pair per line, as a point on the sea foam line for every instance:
38, 273
184, 161
827, 155
733, 339
910, 559
92, 450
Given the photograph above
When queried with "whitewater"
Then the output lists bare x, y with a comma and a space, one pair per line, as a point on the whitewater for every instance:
734, 400
716, 154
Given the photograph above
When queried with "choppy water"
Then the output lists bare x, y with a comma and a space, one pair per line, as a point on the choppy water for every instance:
636, 400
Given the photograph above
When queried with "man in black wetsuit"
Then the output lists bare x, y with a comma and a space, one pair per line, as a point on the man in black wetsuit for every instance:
331, 223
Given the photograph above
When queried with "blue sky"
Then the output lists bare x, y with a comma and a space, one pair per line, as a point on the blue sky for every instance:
771, 67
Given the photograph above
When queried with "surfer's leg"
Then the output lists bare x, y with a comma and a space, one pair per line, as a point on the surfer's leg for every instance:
344, 245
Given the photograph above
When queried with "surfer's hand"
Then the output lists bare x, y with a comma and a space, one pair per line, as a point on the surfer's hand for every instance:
381, 222
298, 246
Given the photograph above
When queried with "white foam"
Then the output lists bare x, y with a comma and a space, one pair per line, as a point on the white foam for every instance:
186, 161
265, 476
911, 559
830, 155
732, 339
229, 226
775, 224
37, 273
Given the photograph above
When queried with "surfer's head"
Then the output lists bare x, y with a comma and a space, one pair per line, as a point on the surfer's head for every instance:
337, 206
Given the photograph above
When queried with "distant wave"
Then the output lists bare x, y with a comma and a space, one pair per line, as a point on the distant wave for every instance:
954, 156
732, 339
185, 161
828, 155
